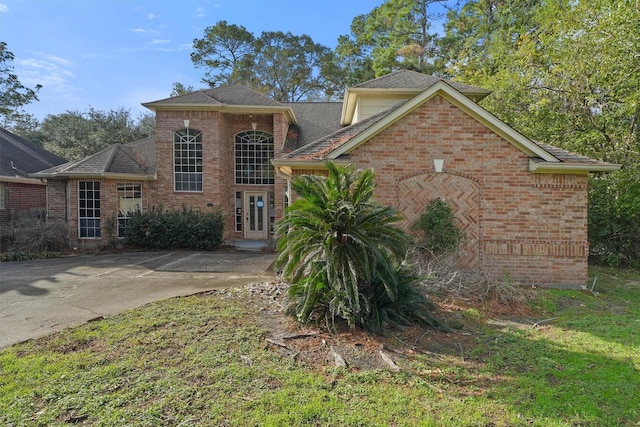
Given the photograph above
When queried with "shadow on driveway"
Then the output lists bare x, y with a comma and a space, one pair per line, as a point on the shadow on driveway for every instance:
43, 296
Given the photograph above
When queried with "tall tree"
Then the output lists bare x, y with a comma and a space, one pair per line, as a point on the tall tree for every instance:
564, 72
74, 134
180, 89
395, 35
291, 68
287, 67
13, 94
222, 52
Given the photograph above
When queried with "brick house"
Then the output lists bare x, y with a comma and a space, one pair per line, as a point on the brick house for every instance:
522, 205
20, 195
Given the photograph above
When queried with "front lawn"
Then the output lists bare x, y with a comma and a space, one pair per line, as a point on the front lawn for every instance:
218, 359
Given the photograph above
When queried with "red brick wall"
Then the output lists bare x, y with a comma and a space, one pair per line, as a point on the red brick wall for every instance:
57, 199
20, 196
218, 132
525, 227
21, 200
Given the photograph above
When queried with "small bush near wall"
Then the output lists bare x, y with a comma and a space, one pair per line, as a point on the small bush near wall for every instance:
32, 238
175, 229
437, 230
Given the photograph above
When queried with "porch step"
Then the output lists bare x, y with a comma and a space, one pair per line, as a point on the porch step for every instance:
249, 245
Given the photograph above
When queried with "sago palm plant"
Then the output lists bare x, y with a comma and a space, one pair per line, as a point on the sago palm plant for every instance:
343, 257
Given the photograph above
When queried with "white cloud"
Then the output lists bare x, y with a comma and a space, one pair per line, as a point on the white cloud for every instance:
159, 41
138, 30
151, 16
200, 12
52, 72
4, 8
58, 61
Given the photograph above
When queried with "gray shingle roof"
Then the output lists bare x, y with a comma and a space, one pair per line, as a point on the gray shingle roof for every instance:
137, 159
314, 120
320, 148
19, 157
233, 94
405, 79
567, 156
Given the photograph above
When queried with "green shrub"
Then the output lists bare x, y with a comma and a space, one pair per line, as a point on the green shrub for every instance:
437, 230
344, 258
614, 218
175, 229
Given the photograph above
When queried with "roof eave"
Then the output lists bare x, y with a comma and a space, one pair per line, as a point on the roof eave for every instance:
351, 95
537, 166
105, 175
20, 180
284, 167
224, 108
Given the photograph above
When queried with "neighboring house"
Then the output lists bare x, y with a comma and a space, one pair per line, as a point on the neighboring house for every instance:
522, 205
20, 195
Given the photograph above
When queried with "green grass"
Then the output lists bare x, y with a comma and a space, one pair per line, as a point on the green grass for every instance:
202, 360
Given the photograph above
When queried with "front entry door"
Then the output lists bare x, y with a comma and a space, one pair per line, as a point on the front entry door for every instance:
255, 215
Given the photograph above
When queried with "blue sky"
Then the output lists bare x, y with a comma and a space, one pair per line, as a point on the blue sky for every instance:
109, 54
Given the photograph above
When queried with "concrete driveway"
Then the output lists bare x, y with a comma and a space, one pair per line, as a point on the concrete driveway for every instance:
44, 296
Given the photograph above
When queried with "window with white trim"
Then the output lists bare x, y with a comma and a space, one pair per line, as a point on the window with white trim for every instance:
89, 209
187, 160
129, 201
253, 153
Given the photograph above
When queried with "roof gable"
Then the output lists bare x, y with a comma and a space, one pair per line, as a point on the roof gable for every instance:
403, 84
136, 160
361, 132
347, 139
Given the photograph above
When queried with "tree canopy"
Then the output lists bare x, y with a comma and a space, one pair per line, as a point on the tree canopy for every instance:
287, 67
75, 134
563, 72
397, 34
13, 94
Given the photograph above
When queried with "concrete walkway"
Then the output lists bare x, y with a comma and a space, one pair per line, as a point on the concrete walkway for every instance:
45, 296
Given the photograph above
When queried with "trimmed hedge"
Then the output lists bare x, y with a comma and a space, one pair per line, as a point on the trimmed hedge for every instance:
175, 229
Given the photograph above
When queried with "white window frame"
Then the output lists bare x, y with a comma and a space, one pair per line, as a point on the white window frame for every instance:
253, 152
187, 160
89, 211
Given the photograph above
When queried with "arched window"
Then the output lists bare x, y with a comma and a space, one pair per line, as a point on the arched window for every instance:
254, 151
187, 160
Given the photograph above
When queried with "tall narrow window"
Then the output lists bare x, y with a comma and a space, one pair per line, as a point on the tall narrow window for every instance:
238, 211
89, 209
254, 151
129, 201
187, 160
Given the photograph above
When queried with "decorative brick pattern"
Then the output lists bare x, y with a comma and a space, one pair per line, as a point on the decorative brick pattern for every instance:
460, 193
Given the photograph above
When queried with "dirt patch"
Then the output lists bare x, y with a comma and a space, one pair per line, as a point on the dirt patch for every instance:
356, 349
